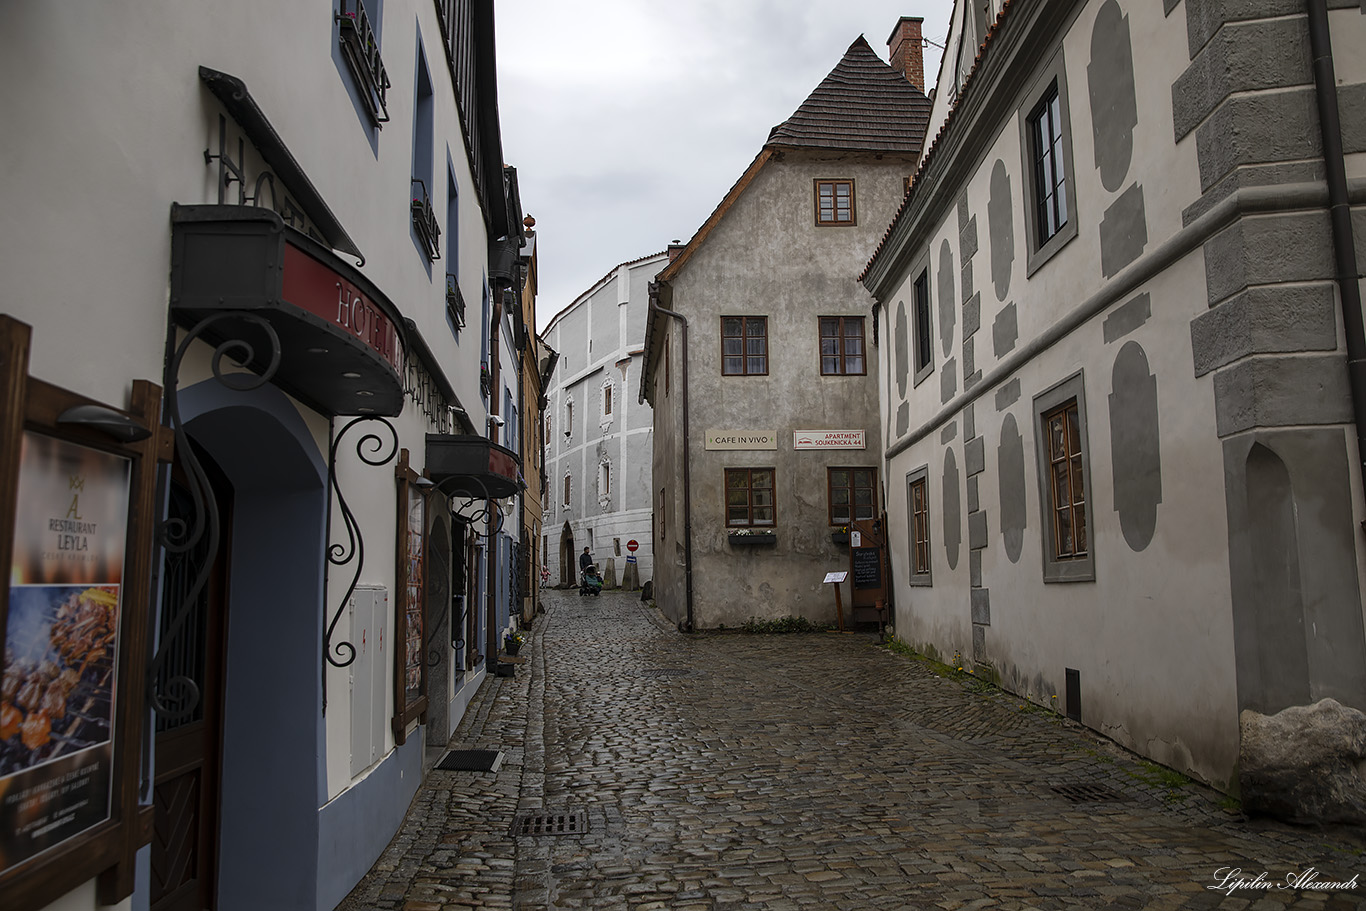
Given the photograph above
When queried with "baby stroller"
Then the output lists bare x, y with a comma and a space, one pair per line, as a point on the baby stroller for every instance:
591, 583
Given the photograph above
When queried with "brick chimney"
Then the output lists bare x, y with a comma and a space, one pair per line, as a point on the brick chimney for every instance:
907, 53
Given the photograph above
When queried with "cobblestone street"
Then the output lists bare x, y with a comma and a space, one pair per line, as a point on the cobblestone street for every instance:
810, 771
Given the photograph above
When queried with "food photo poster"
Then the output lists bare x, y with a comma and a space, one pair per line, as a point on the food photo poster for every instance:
61, 645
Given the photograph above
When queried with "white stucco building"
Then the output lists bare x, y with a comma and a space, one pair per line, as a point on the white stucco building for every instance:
323, 182
1124, 474
597, 432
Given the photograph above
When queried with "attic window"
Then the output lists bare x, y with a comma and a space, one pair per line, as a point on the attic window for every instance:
835, 202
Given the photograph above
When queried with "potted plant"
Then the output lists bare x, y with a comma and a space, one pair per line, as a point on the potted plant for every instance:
840, 534
751, 536
512, 643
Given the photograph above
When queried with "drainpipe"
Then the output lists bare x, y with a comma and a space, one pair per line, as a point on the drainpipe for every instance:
1340, 215
687, 459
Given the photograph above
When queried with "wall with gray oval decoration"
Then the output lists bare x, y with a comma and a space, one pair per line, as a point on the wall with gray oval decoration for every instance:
1114, 104
953, 508
903, 351
1010, 463
946, 302
1134, 445
1001, 236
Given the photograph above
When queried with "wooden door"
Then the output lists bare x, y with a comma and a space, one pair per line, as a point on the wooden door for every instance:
868, 569
189, 750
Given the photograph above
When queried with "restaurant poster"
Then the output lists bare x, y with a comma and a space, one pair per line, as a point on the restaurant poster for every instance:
414, 657
61, 645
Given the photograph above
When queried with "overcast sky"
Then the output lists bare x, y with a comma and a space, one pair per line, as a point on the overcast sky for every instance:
628, 120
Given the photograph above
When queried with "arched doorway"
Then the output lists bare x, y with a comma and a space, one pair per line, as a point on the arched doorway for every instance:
274, 488
567, 574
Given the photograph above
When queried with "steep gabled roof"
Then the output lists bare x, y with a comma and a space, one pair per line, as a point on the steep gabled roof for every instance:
863, 105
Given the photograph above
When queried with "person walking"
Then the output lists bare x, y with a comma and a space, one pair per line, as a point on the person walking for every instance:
585, 561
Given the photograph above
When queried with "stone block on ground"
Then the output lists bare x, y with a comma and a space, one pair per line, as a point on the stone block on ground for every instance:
1303, 764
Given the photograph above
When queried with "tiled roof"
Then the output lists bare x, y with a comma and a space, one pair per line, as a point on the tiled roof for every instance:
863, 105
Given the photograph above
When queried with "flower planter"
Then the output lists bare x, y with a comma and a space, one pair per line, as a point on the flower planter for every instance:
839, 537
512, 647
751, 540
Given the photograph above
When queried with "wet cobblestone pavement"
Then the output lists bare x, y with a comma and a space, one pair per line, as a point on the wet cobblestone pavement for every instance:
818, 771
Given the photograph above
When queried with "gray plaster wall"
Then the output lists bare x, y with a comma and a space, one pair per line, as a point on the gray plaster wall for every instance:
767, 258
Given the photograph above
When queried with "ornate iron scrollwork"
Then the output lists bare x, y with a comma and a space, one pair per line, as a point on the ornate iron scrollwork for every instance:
354, 549
177, 698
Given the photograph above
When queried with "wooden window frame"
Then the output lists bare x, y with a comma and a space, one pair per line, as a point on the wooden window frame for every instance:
566, 491
1059, 565
107, 850
607, 400
851, 487
919, 555
835, 183
744, 338
409, 600
750, 506
841, 337
922, 327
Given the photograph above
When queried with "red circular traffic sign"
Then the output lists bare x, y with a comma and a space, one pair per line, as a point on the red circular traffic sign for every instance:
631, 545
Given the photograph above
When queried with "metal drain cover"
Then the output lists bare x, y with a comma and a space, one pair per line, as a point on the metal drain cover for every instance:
471, 761
1084, 792
550, 823
666, 672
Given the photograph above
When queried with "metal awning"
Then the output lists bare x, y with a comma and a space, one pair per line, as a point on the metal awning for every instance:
342, 343
472, 466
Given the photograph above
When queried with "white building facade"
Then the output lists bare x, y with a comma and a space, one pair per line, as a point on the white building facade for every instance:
316, 191
1123, 471
598, 433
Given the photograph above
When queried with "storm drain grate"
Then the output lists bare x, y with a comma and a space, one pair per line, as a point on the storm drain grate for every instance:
1087, 793
550, 823
666, 672
471, 761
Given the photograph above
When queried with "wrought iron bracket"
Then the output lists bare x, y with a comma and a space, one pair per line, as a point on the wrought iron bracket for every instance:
178, 697
372, 449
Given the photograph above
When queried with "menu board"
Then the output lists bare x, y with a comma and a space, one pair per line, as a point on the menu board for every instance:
867, 567
61, 645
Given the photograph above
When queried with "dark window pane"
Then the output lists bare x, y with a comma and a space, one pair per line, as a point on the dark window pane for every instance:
733, 365
1061, 484
853, 365
730, 326
762, 477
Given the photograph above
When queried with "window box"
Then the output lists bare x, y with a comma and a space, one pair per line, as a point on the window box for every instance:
839, 537
750, 539
361, 50
424, 221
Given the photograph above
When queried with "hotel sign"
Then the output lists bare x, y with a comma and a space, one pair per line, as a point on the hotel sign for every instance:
742, 439
828, 439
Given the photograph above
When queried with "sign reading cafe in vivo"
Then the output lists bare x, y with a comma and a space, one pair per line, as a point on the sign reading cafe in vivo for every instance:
828, 439
741, 439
